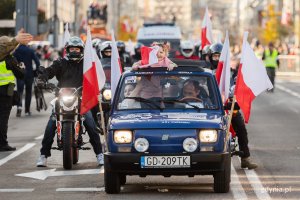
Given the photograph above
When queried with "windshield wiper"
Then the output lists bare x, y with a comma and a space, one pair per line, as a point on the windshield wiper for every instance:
147, 101
183, 102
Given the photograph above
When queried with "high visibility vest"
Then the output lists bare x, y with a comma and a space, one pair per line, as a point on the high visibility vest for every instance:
6, 76
271, 60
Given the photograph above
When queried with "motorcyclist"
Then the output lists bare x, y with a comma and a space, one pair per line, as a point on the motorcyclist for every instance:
205, 53
104, 52
237, 121
125, 58
187, 49
96, 43
137, 52
69, 73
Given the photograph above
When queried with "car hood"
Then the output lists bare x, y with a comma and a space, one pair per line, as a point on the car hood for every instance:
166, 120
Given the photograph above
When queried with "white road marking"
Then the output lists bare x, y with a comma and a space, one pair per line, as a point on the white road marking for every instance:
16, 153
291, 92
17, 190
101, 189
257, 186
43, 174
39, 137
237, 190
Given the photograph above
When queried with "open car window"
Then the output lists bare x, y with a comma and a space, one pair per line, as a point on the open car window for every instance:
157, 91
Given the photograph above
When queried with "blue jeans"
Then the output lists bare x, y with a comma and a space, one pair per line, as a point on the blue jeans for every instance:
90, 126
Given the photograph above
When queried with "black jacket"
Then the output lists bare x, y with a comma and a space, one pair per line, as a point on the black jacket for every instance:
68, 73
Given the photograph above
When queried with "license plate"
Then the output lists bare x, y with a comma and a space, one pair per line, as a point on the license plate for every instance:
165, 161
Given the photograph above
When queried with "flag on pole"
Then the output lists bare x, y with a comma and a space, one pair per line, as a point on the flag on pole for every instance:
149, 55
66, 37
252, 78
206, 30
116, 68
223, 70
93, 77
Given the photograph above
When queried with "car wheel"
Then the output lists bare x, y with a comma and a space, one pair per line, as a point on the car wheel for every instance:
222, 179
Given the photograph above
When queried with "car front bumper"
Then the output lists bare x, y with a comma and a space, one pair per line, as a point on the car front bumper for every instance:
202, 163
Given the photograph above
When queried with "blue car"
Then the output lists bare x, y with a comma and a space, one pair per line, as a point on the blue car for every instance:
167, 123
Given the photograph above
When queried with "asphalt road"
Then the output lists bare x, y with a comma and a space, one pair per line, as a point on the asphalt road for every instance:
274, 143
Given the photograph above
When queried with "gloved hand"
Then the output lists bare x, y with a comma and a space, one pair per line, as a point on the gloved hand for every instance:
11, 62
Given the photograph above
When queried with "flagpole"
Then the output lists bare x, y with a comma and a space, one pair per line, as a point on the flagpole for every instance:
229, 122
102, 122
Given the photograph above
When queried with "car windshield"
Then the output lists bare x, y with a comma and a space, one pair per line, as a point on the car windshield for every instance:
157, 91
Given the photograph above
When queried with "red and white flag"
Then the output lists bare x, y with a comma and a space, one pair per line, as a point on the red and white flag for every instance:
206, 30
223, 70
66, 37
252, 78
149, 55
93, 76
116, 68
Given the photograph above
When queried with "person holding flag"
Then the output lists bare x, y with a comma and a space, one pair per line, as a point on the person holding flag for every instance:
220, 60
69, 73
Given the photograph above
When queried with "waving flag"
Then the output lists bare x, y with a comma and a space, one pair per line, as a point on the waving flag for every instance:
252, 78
149, 55
116, 68
223, 70
93, 77
66, 37
206, 30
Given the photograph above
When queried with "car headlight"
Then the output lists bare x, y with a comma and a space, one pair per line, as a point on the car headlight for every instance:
68, 98
106, 94
122, 136
208, 136
141, 144
190, 144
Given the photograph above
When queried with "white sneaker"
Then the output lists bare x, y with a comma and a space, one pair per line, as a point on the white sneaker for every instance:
42, 161
100, 159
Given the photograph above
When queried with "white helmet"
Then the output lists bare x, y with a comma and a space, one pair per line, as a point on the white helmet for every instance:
187, 48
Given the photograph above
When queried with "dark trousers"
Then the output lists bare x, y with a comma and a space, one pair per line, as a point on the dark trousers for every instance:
271, 74
27, 82
90, 126
5, 108
239, 127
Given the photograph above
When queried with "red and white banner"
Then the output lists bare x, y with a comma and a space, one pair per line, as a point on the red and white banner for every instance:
66, 37
223, 70
206, 30
252, 78
93, 76
116, 68
149, 55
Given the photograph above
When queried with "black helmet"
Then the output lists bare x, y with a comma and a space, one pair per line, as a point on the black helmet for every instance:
74, 41
137, 48
105, 46
121, 46
215, 48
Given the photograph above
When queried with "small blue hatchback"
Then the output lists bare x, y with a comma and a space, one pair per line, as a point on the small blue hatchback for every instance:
167, 123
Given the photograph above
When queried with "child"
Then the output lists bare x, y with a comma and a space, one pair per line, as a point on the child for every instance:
162, 55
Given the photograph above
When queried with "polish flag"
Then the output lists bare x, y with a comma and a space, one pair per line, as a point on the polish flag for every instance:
252, 78
206, 30
116, 68
66, 37
93, 76
149, 55
223, 70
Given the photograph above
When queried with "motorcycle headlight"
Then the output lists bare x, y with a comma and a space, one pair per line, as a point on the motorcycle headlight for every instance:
190, 144
208, 136
68, 98
123, 136
106, 94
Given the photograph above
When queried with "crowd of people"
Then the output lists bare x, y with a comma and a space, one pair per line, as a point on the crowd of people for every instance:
68, 71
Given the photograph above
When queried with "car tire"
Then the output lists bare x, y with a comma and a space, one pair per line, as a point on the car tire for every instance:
222, 179
111, 180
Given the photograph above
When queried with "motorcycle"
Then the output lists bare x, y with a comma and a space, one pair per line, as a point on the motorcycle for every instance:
69, 123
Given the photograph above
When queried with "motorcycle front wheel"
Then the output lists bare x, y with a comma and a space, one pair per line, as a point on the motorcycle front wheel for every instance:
67, 131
